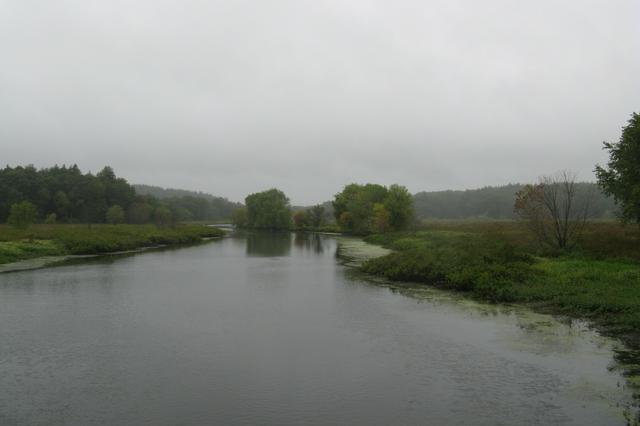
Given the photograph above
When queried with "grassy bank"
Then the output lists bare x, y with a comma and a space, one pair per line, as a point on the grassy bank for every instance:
60, 240
599, 280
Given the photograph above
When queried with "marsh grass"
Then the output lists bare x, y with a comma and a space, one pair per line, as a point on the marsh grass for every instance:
60, 240
500, 262
13, 251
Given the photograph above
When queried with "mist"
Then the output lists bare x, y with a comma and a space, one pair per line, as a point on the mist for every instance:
236, 97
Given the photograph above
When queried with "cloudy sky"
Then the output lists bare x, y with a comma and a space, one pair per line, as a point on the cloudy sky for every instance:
236, 96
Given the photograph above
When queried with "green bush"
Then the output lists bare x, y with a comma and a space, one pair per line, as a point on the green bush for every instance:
22, 215
115, 215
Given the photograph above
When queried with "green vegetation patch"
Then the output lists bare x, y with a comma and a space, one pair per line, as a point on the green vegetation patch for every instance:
48, 240
502, 267
455, 260
608, 290
13, 251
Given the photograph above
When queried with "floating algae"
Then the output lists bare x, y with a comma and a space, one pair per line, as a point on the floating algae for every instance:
354, 251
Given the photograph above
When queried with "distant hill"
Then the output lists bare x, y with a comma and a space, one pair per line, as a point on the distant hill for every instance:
494, 202
196, 205
159, 192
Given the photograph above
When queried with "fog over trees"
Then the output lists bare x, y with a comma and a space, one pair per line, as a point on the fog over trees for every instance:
220, 96
496, 202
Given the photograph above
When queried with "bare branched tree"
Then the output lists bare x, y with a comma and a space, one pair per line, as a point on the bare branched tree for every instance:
554, 210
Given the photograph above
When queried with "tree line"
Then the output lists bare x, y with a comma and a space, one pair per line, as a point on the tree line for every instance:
64, 194
496, 202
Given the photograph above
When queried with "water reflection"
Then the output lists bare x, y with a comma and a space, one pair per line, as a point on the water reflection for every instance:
268, 244
309, 241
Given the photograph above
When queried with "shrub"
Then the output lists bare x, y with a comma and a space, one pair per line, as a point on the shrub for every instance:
483, 265
51, 219
22, 215
115, 215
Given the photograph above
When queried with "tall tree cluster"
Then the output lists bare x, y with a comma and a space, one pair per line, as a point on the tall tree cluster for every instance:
362, 209
64, 194
68, 193
268, 210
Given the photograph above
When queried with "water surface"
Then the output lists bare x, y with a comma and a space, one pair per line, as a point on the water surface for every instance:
274, 329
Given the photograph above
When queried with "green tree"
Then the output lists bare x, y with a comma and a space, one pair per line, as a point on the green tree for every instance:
316, 216
140, 212
371, 208
65, 191
358, 201
399, 205
381, 220
51, 219
117, 191
345, 221
181, 214
621, 177
90, 200
300, 219
239, 217
22, 215
115, 215
163, 216
268, 210
61, 204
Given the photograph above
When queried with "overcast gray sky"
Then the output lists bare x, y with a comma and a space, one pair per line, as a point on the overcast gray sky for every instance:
236, 96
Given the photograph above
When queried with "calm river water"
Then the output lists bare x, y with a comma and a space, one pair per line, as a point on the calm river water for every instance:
273, 329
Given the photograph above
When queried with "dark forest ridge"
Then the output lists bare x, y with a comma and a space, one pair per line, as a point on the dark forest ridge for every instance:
495, 202
65, 194
161, 192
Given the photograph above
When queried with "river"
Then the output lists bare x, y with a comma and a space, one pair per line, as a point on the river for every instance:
275, 329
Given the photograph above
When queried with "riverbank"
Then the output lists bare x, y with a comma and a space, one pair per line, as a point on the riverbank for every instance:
242, 301
499, 262
63, 240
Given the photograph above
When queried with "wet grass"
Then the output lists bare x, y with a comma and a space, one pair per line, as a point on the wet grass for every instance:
500, 262
14, 251
60, 240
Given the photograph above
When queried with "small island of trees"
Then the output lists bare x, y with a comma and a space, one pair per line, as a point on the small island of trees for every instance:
358, 209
